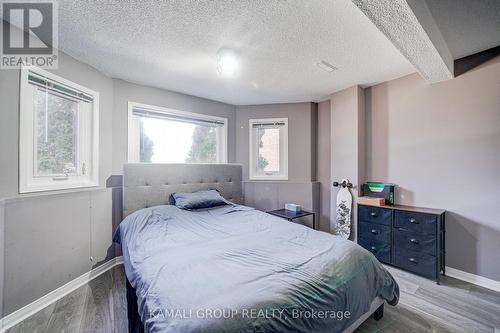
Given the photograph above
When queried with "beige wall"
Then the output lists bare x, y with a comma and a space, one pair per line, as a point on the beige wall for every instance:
347, 117
323, 162
2, 254
49, 237
440, 143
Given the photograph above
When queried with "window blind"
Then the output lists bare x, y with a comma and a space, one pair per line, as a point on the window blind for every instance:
143, 112
59, 88
268, 124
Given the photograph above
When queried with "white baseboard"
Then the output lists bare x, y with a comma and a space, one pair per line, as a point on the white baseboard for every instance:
472, 278
37, 305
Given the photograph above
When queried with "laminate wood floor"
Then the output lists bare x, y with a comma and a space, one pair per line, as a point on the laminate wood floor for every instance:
99, 306
424, 306
452, 307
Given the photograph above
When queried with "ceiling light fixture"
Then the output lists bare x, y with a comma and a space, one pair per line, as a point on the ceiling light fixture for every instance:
326, 66
227, 62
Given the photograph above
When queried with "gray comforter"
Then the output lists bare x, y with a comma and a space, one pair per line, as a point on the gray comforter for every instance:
237, 269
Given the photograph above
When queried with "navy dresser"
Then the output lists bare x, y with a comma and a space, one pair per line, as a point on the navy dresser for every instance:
405, 237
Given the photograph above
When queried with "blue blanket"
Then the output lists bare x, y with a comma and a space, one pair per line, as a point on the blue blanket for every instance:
237, 269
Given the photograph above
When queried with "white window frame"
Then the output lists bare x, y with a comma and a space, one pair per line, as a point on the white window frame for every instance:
133, 155
88, 153
283, 174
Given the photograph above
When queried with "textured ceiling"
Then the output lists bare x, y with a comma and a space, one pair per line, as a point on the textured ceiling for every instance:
412, 30
468, 26
173, 45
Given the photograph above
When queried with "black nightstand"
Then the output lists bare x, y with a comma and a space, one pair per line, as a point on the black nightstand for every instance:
290, 216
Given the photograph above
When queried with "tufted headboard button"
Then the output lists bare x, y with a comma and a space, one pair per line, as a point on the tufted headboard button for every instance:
155, 182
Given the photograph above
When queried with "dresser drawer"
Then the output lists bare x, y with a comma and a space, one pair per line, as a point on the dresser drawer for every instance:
380, 250
375, 214
376, 232
417, 222
414, 241
420, 263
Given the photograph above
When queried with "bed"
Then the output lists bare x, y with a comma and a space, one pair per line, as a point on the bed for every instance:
232, 268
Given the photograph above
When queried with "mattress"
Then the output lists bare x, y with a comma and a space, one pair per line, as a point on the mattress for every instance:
237, 269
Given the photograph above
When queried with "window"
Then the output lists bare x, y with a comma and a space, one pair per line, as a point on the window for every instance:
269, 149
59, 126
160, 135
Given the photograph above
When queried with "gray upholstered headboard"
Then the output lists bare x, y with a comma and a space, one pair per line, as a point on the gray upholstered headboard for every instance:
147, 185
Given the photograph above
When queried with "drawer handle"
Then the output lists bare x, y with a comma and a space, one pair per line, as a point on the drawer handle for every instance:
412, 220
373, 214
413, 260
375, 232
414, 240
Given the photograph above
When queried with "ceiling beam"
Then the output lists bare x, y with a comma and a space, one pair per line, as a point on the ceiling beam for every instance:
467, 63
410, 27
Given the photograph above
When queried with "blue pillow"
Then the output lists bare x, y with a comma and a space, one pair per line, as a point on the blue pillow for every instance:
199, 199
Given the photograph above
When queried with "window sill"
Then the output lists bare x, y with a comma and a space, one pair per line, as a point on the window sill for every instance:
68, 187
270, 178
41, 194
